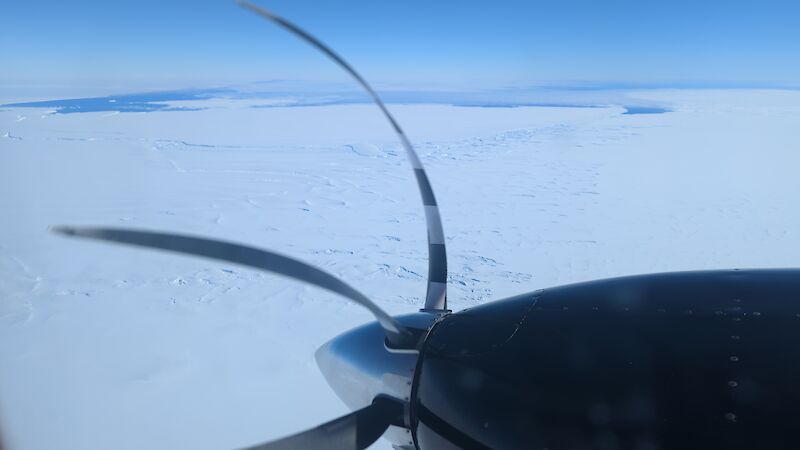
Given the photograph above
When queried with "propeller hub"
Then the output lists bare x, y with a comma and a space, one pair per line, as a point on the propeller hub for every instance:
359, 366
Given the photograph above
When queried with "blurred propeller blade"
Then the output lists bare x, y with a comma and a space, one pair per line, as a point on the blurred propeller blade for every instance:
265, 260
355, 431
436, 297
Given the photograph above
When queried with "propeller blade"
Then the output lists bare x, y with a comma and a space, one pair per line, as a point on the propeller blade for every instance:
355, 431
436, 297
265, 260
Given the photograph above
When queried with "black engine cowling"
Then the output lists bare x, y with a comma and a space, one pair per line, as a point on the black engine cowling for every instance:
694, 360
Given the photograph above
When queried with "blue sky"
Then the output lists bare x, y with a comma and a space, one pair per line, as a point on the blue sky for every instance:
443, 44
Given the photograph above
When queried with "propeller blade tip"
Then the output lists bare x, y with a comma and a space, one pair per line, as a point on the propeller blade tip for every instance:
247, 5
252, 7
63, 230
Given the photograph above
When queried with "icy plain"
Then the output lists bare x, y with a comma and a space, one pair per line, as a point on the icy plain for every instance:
111, 347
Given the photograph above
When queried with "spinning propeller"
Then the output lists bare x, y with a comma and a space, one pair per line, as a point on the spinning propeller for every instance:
364, 426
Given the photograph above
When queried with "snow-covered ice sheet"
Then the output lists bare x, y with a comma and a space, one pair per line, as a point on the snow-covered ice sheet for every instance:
112, 347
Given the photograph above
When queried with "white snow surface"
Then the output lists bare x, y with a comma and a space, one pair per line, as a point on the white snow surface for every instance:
105, 346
